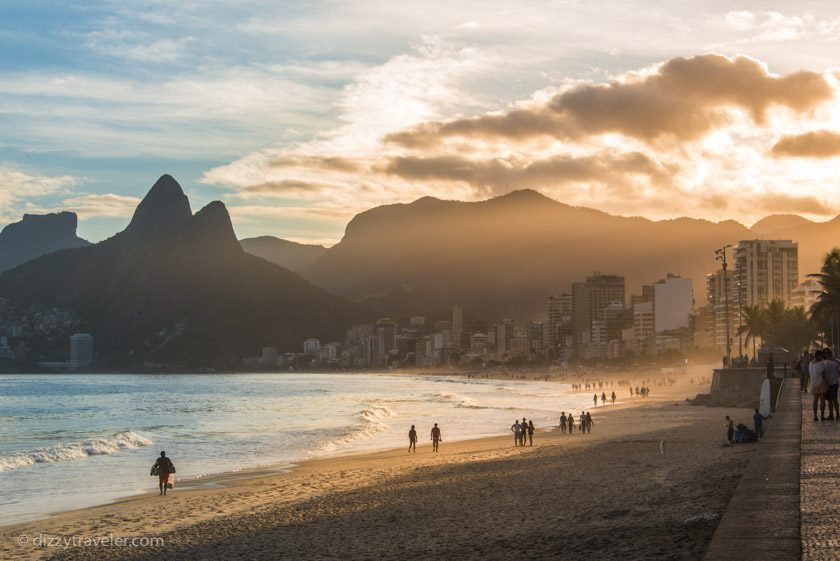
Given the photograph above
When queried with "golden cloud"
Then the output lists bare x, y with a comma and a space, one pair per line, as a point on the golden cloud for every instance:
814, 144
683, 98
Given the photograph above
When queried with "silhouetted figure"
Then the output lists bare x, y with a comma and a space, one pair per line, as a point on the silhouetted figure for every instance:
832, 378
802, 368
412, 440
531, 432
436, 437
164, 467
582, 422
563, 422
603, 398
819, 385
571, 423
758, 424
730, 430
612, 398
516, 429
595, 399
589, 422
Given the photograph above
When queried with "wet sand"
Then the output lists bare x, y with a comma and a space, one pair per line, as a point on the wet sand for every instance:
650, 482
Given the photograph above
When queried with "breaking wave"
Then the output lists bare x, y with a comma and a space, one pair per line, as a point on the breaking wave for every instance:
73, 451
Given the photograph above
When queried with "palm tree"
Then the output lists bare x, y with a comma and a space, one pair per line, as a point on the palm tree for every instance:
826, 310
754, 323
798, 330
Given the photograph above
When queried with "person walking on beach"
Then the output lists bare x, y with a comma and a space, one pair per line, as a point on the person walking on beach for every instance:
819, 386
589, 422
595, 399
516, 429
571, 423
832, 378
563, 422
524, 424
730, 430
436, 438
612, 398
164, 467
582, 422
412, 440
603, 398
530, 432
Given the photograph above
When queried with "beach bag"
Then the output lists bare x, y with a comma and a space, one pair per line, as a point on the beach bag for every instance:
155, 470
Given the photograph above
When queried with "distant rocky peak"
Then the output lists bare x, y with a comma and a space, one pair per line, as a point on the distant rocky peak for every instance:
163, 208
211, 227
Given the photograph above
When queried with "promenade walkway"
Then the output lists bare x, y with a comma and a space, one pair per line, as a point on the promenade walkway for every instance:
762, 521
820, 486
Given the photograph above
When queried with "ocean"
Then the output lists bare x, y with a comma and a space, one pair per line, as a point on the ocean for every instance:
70, 441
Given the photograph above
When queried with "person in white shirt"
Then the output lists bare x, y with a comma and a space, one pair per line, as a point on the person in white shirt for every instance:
819, 387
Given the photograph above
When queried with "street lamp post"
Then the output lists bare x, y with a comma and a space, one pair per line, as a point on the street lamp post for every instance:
720, 255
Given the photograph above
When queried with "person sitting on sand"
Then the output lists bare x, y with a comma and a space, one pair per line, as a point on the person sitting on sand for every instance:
164, 467
412, 440
436, 438
530, 432
516, 429
730, 430
563, 422
589, 422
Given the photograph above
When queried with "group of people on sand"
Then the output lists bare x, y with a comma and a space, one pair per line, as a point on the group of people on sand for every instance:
644, 391
567, 422
523, 431
819, 372
435, 437
603, 398
742, 434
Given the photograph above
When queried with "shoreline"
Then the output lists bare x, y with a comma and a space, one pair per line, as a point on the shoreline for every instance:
218, 500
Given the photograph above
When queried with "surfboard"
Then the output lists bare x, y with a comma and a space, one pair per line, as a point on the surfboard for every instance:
764, 399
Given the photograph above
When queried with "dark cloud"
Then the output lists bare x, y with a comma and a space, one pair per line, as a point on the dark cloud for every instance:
684, 99
284, 187
335, 163
500, 175
780, 203
815, 144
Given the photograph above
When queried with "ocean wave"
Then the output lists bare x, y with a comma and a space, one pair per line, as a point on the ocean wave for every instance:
73, 451
457, 400
371, 421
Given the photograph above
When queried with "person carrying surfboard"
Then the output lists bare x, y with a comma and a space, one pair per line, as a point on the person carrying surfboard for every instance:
164, 467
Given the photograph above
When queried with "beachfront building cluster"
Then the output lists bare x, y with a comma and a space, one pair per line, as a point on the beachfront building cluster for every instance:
760, 272
33, 332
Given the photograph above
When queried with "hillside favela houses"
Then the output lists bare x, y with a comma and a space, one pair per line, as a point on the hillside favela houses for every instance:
594, 320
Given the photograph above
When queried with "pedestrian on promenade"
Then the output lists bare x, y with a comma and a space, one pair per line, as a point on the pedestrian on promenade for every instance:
819, 386
832, 378
436, 438
802, 368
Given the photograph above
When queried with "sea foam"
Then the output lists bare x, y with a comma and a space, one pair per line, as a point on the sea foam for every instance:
73, 450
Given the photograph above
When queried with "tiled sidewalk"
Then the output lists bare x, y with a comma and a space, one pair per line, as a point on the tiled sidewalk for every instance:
820, 486
762, 521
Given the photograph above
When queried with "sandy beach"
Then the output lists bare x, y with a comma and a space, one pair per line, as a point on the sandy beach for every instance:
650, 482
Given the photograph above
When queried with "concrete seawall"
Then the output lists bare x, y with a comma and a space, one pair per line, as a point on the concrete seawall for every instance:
741, 387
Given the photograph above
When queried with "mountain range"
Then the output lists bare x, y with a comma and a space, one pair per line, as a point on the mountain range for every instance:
176, 288
294, 256
37, 235
504, 256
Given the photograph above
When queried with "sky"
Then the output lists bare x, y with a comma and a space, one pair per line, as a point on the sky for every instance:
300, 115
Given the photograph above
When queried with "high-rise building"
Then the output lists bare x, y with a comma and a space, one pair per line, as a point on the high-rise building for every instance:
765, 270
719, 296
269, 356
457, 326
559, 313
386, 328
643, 328
593, 295
806, 294
504, 338
81, 350
673, 303
311, 346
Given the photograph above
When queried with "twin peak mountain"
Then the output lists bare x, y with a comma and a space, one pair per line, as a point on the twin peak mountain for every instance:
177, 288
